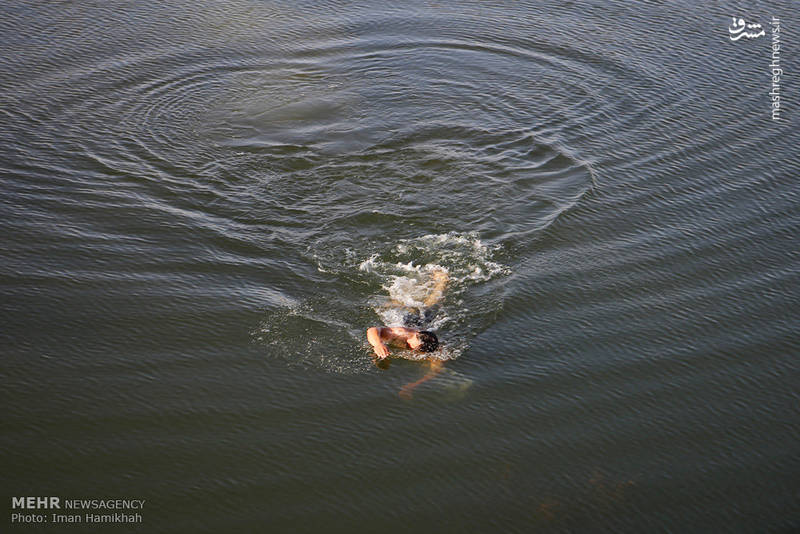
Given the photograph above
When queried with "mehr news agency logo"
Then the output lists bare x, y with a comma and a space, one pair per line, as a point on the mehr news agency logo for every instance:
56, 510
753, 30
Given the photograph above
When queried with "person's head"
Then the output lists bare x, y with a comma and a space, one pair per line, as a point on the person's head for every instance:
424, 341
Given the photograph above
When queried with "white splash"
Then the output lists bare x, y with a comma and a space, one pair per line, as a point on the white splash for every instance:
408, 282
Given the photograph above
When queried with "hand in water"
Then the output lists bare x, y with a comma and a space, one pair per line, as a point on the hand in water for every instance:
374, 338
381, 351
406, 392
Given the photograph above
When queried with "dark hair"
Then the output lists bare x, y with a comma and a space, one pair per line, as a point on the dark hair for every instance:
429, 341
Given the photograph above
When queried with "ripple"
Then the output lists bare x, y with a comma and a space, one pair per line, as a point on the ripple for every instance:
360, 136
617, 216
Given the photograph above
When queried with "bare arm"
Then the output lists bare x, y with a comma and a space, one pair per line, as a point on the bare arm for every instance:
374, 338
406, 392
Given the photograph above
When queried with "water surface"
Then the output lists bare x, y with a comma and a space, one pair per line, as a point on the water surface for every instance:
206, 204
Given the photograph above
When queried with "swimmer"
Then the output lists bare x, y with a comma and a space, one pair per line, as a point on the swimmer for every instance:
401, 337
406, 337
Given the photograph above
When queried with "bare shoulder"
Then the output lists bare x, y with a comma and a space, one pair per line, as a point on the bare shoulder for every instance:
396, 331
383, 332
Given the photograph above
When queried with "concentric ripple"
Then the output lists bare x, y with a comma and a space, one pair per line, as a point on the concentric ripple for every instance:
206, 203
365, 133
346, 153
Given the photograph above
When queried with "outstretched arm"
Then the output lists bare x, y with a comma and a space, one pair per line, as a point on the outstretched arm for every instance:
406, 392
374, 338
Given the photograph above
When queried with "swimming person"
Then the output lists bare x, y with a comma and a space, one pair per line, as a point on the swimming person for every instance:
401, 337
408, 337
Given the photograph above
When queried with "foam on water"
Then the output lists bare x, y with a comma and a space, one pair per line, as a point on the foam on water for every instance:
464, 257
406, 272
395, 278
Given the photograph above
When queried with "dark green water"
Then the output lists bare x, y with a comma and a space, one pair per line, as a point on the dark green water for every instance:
205, 204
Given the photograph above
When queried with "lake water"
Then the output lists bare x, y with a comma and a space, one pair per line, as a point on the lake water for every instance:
206, 204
